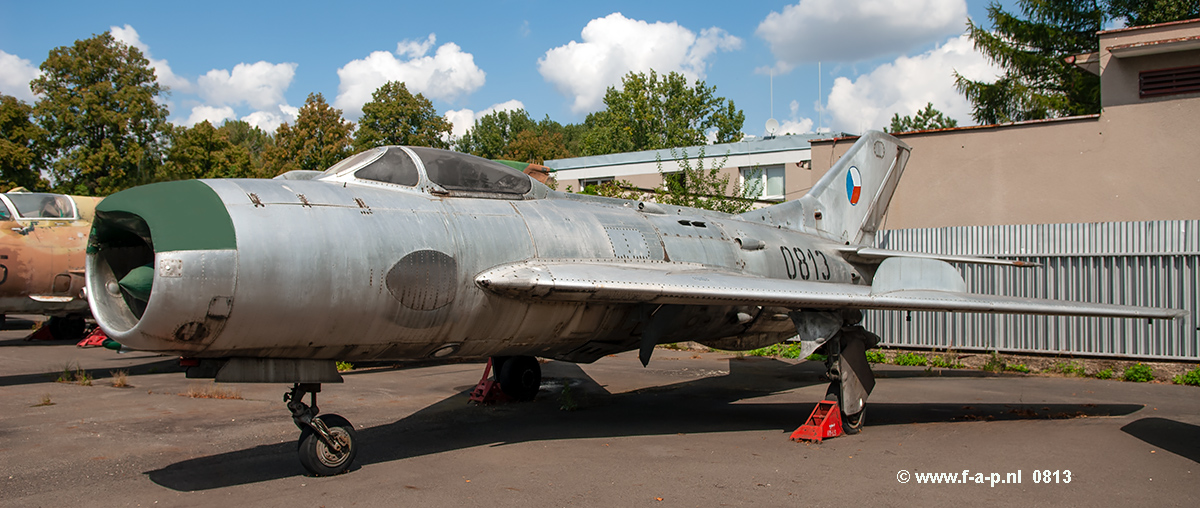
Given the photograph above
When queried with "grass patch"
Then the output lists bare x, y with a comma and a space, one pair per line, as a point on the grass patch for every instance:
1017, 367
1191, 377
212, 391
1068, 368
817, 357
911, 360
876, 356
785, 350
1138, 373
45, 401
944, 362
120, 379
1105, 374
995, 363
345, 366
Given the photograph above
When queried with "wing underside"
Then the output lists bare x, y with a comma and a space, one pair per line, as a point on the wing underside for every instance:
688, 284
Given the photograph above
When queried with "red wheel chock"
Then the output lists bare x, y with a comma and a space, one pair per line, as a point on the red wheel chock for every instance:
488, 390
825, 422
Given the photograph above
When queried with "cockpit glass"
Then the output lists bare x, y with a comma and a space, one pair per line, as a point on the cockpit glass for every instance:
42, 206
394, 167
459, 171
4, 213
351, 161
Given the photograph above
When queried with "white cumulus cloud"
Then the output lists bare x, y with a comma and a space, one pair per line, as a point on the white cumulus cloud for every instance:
260, 85
795, 124
907, 85
447, 75
270, 120
15, 75
614, 45
162, 70
214, 115
850, 30
463, 120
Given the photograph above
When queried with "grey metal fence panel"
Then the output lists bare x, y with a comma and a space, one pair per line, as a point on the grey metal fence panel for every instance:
1134, 263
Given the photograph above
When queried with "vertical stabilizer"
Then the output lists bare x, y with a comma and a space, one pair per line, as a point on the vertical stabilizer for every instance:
849, 202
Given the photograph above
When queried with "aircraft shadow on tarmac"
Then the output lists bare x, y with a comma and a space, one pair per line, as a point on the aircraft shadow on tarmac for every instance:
1180, 438
151, 366
701, 405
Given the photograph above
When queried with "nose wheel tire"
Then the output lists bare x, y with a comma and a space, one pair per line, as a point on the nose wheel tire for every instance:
319, 458
520, 377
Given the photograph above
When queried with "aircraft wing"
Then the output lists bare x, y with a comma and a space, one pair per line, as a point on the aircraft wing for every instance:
693, 284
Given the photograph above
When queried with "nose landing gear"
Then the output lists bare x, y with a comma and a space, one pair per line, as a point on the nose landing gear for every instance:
327, 443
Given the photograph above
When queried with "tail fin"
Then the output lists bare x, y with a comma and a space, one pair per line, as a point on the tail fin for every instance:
849, 202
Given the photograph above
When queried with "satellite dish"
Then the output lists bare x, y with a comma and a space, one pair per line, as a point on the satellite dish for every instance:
772, 126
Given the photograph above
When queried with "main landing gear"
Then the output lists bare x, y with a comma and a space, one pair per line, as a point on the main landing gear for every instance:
852, 380
517, 378
327, 442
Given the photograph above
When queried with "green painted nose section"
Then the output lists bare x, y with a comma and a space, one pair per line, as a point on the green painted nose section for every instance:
167, 216
138, 282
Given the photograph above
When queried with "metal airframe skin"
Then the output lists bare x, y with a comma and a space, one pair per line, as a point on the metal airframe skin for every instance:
42, 242
342, 267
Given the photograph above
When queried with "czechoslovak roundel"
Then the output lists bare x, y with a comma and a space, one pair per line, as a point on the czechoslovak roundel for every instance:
853, 185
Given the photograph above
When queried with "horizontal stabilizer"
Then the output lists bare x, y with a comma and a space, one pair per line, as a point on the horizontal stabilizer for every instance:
873, 255
691, 284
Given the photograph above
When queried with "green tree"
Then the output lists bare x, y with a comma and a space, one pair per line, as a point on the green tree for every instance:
651, 113
490, 136
925, 119
20, 160
319, 139
255, 140
707, 188
205, 152
99, 110
396, 117
1149, 12
1038, 82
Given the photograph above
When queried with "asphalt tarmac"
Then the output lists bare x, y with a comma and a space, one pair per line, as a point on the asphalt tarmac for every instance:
692, 429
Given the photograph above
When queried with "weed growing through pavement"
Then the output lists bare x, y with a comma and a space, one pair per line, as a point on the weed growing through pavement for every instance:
212, 391
1105, 374
345, 366
45, 401
876, 356
120, 379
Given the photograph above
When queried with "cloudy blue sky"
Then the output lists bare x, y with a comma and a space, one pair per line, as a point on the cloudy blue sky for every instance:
259, 60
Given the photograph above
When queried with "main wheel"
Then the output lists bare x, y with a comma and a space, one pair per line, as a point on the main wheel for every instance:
520, 377
321, 460
66, 328
851, 424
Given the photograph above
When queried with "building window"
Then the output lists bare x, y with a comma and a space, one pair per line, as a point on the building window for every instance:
767, 179
585, 182
1169, 81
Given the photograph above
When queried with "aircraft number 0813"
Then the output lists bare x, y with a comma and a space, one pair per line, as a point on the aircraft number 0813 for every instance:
796, 261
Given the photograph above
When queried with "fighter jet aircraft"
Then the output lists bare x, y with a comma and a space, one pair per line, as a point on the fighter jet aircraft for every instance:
42, 242
413, 253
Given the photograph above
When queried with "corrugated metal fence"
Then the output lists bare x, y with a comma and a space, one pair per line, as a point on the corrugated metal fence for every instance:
1132, 263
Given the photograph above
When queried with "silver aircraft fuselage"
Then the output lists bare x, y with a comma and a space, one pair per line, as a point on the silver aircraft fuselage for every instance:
408, 252
351, 269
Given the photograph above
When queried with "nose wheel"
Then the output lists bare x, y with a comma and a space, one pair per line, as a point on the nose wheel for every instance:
327, 443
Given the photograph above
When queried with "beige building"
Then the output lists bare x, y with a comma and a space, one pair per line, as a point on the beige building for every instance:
782, 166
1138, 160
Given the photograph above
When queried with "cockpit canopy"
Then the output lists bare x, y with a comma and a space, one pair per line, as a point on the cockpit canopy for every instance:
453, 171
37, 205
